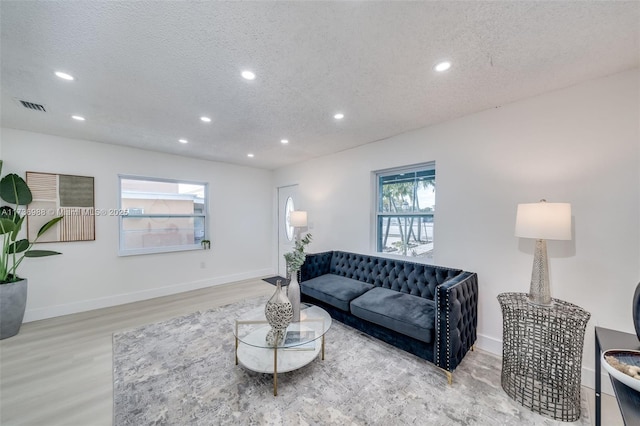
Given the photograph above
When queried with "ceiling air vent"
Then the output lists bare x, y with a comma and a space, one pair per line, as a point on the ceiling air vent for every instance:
33, 106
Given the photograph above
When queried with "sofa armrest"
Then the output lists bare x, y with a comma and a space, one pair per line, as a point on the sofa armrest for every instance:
315, 265
456, 319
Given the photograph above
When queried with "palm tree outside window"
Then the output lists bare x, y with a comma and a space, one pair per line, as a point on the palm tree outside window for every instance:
405, 210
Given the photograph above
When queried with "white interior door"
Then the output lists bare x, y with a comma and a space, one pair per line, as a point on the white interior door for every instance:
287, 202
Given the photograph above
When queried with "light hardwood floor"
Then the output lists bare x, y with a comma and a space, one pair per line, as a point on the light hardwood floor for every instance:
59, 371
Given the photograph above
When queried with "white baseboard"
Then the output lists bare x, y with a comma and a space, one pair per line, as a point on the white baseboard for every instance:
121, 299
589, 380
489, 344
494, 346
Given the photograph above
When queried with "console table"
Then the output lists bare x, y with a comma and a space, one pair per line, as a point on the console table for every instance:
542, 355
628, 399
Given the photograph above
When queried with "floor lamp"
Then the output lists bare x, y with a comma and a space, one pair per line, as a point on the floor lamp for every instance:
542, 221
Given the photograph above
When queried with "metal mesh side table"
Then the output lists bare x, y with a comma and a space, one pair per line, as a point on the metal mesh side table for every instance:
542, 355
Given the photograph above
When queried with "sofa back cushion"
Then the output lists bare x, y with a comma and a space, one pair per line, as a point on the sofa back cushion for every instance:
412, 278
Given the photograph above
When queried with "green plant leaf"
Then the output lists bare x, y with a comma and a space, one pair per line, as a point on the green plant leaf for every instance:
49, 224
14, 190
18, 246
14, 234
40, 253
296, 258
6, 226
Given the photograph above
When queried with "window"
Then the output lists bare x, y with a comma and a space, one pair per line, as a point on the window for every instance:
405, 205
161, 215
288, 208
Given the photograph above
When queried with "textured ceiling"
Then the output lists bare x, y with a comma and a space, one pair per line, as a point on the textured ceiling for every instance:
146, 71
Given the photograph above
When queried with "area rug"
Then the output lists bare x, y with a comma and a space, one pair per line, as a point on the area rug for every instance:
182, 372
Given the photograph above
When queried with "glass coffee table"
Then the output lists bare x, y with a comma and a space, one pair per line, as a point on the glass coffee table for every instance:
303, 342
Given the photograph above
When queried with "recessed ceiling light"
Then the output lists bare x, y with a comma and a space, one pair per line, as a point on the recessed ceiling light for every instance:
442, 66
64, 75
248, 75
183, 141
205, 119
250, 155
339, 116
78, 117
284, 141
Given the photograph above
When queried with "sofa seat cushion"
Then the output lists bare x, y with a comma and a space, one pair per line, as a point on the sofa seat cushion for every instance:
406, 314
335, 290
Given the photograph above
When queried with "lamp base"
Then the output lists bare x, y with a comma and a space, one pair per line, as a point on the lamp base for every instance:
540, 291
540, 305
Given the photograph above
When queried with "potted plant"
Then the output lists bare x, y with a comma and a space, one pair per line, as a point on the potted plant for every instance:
13, 289
295, 259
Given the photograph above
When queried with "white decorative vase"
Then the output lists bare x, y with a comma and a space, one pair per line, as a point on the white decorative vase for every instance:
293, 293
278, 312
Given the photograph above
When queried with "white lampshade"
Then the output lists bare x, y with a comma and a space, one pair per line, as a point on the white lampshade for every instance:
544, 221
298, 219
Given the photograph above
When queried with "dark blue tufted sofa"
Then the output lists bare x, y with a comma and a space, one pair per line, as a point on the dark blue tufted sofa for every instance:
429, 311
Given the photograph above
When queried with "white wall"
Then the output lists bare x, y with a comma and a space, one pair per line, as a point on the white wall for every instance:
578, 145
90, 274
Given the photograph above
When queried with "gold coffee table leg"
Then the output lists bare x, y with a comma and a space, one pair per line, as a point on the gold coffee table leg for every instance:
275, 371
236, 334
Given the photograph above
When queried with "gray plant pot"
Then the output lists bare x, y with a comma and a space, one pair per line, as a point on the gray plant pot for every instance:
13, 301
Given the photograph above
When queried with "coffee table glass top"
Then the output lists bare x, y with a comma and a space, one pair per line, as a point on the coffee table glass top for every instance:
252, 327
